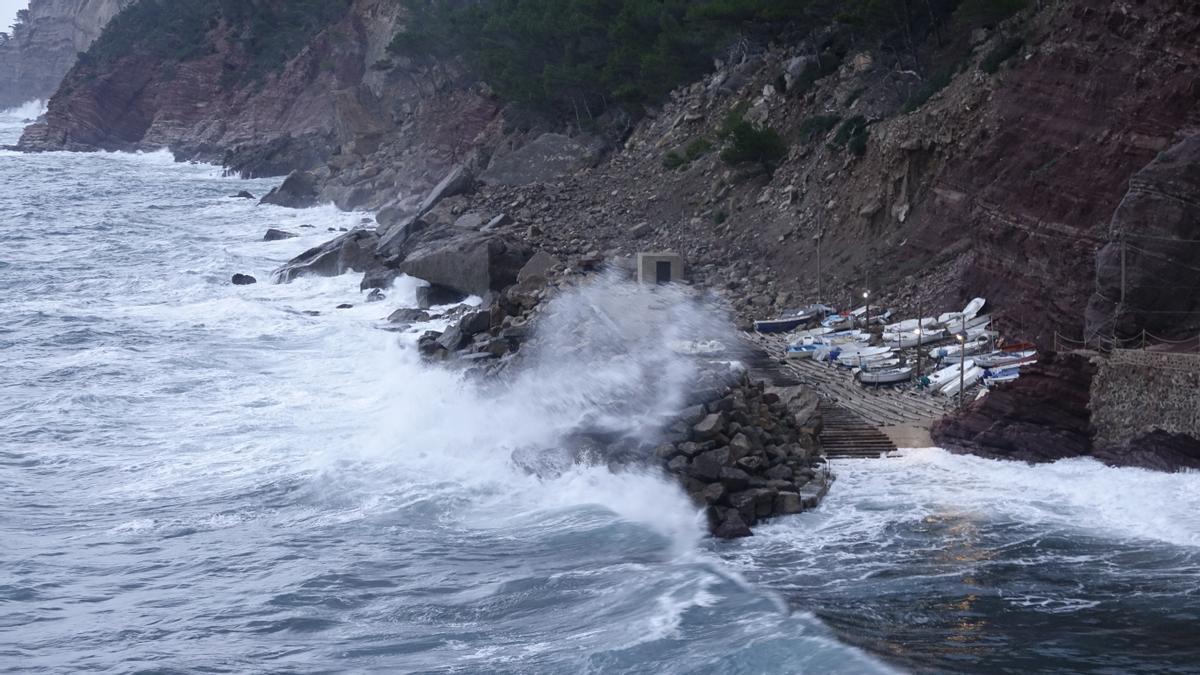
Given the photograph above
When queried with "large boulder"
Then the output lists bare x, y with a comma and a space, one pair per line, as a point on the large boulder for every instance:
469, 262
398, 222
353, 251
546, 158
299, 191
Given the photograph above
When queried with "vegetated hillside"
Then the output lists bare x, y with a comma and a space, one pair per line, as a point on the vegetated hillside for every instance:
940, 150
41, 47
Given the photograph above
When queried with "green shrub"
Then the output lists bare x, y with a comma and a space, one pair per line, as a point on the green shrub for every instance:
937, 82
672, 160
851, 135
720, 217
827, 63
817, 125
746, 143
1002, 52
989, 12
697, 148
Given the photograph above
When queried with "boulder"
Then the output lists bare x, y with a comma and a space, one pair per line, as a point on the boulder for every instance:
354, 250
546, 158
275, 235
475, 322
243, 280
244, 194
434, 295
709, 427
376, 295
732, 526
398, 225
408, 315
538, 268
472, 263
298, 191
473, 220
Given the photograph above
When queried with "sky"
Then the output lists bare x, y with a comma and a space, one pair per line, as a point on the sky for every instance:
8, 12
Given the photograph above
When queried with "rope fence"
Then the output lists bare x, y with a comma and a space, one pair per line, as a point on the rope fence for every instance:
1143, 341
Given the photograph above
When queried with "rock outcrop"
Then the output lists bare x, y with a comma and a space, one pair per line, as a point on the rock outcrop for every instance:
1153, 249
45, 45
1126, 409
469, 262
1041, 417
353, 251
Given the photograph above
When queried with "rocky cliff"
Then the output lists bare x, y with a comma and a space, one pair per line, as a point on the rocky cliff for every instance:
1001, 183
43, 47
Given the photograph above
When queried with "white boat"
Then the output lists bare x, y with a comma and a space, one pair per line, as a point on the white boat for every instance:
861, 357
910, 325
887, 362
968, 378
994, 377
942, 377
955, 351
805, 348
885, 375
906, 340
1004, 359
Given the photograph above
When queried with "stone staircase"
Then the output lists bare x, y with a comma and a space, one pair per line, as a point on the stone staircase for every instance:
845, 435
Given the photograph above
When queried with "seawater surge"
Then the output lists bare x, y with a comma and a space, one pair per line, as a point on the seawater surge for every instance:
198, 476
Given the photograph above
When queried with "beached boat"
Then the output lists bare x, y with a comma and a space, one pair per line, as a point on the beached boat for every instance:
993, 377
791, 319
914, 339
1004, 359
968, 378
955, 351
942, 377
864, 356
885, 375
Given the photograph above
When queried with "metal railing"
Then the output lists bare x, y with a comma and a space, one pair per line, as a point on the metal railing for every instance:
1110, 343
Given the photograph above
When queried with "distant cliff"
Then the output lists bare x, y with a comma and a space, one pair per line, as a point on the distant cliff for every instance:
43, 47
974, 158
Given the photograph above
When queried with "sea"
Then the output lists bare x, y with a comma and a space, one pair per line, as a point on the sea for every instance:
197, 477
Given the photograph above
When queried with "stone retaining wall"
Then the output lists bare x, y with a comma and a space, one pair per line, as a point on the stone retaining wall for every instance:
1136, 392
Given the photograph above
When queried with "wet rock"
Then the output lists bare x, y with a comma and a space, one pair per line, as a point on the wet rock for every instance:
376, 295
243, 280
298, 191
472, 263
734, 480
434, 295
732, 526
244, 194
345, 305
471, 221
276, 235
351, 251
475, 322
709, 427
788, 503
707, 465
408, 315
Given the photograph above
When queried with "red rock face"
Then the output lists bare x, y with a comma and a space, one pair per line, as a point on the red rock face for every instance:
1153, 260
1111, 85
1041, 417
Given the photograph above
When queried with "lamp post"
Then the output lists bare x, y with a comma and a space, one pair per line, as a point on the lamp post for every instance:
918, 356
962, 362
818, 238
867, 316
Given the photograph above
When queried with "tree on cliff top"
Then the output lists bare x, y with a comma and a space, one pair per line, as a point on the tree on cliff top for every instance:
268, 33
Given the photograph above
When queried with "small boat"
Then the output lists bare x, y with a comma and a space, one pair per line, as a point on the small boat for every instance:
909, 325
780, 325
994, 377
890, 362
942, 377
1003, 359
805, 348
968, 378
865, 357
953, 352
792, 319
885, 375
914, 339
